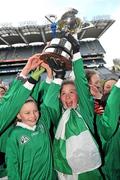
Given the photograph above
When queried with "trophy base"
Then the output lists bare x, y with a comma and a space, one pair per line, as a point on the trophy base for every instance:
57, 57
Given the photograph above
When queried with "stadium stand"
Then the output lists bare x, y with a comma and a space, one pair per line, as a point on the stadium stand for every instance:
19, 42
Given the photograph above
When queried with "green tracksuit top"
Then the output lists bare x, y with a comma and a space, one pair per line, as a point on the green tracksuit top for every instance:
109, 130
11, 99
39, 145
28, 153
86, 110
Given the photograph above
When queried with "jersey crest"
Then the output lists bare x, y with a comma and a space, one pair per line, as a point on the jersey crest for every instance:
24, 139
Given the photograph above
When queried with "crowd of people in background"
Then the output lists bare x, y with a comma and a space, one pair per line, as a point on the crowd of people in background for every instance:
83, 111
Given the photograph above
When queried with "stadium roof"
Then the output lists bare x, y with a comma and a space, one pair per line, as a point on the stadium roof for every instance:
42, 33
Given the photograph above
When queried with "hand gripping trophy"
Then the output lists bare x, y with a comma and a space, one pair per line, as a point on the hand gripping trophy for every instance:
60, 48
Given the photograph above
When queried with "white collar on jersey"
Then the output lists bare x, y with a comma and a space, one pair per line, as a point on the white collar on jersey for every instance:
23, 125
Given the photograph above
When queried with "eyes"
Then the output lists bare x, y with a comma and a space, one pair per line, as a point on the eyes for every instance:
68, 93
29, 112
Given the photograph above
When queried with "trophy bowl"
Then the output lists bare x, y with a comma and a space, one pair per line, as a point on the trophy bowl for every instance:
61, 50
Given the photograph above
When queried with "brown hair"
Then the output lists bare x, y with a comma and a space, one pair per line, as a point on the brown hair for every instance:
90, 73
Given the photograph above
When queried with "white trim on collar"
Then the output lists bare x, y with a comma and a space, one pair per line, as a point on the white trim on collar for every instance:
23, 125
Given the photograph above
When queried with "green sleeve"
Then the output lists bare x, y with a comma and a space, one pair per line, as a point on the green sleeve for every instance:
36, 90
39, 93
40, 90
52, 103
4, 137
12, 102
108, 122
45, 116
12, 159
86, 103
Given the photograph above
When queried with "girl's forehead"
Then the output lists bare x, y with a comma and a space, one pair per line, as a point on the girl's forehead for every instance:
69, 84
29, 104
68, 87
95, 76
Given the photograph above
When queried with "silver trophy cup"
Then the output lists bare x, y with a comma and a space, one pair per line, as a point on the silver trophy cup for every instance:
61, 48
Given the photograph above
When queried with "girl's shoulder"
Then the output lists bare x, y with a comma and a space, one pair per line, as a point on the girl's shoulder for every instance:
19, 135
17, 131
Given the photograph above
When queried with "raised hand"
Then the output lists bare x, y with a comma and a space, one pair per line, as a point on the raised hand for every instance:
32, 63
48, 70
98, 107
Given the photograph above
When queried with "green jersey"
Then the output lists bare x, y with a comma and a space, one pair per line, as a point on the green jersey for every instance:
28, 154
109, 130
17, 90
75, 131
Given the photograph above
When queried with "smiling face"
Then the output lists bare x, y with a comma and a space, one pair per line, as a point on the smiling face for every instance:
95, 80
29, 114
68, 96
108, 86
